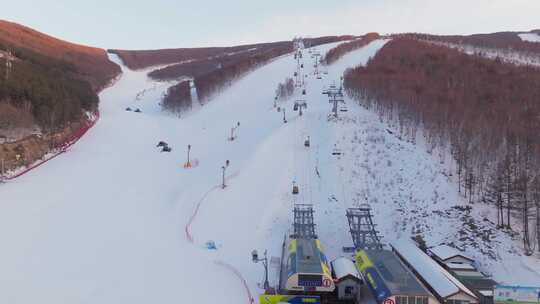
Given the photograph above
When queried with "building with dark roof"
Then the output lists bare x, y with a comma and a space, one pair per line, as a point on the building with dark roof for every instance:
390, 280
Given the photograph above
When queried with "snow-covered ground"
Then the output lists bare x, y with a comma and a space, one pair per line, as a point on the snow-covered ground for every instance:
505, 55
531, 37
107, 222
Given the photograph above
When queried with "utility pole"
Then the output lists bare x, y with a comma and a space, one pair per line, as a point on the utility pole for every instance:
2, 172
223, 168
284, 119
255, 258
188, 164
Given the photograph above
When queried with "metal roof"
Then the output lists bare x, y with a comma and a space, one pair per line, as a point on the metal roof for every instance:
445, 252
396, 276
308, 256
344, 267
440, 280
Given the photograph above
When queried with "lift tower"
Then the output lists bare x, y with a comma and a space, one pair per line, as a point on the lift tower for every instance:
304, 227
362, 228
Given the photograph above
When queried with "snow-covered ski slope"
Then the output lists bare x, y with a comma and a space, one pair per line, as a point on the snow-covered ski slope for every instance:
116, 221
531, 37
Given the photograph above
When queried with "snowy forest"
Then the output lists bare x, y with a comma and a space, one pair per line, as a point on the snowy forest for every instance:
339, 51
482, 112
177, 98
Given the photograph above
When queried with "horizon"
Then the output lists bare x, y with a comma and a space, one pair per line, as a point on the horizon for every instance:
170, 24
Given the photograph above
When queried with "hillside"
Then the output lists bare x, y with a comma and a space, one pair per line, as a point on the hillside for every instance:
48, 92
91, 64
135, 226
500, 40
139, 59
481, 113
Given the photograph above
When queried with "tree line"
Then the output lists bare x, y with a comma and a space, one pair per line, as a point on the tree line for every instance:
52, 90
212, 73
285, 89
341, 50
178, 98
501, 40
484, 113
210, 83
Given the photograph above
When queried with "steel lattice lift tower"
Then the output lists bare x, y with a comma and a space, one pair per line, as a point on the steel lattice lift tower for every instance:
304, 227
362, 228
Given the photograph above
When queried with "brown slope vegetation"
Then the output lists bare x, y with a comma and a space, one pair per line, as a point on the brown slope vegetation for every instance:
178, 98
212, 73
486, 112
210, 83
500, 40
51, 84
92, 64
206, 65
341, 50
139, 59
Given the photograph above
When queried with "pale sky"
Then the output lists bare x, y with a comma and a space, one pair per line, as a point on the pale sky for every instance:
152, 24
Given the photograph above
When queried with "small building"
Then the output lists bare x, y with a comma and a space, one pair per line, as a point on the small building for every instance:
305, 269
446, 254
390, 280
474, 280
347, 279
438, 280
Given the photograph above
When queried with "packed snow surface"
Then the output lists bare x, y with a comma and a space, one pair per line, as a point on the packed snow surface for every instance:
439, 279
530, 37
115, 220
343, 267
445, 252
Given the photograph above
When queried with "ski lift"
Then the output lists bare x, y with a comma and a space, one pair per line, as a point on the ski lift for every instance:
138, 110
336, 151
319, 77
295, 188
166, 149
304, 92
295, 74
128, 109
302, 65
343, 108
307, 143
295, 108
161, 144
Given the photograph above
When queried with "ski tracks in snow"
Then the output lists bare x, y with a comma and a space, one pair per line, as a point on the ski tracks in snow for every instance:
189, 237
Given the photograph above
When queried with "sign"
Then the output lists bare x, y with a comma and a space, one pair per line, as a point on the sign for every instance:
327, 282
516, 295
310, 280
275, 299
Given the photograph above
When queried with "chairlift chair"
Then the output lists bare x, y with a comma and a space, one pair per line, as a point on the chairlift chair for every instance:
295, 189
304, 92
307, 143
295, 108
